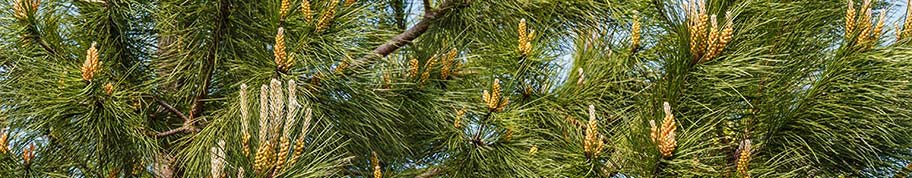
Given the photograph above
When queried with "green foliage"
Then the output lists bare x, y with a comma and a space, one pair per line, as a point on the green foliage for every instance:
812, 100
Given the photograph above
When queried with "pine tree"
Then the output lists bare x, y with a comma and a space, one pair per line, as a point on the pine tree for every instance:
455, 88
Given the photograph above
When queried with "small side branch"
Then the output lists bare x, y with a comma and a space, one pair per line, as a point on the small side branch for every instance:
430, 15
184, 128
171, 108
187, 126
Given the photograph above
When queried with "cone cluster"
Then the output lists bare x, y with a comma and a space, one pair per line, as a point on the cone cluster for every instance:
592, 142
275, 126
493, 100
707, 38
525, 38
327, 16
91, 64
664, 136
861, 29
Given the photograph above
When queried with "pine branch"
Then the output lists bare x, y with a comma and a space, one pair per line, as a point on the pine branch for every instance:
171, 108
186, 126
427, 5
404, 38
222, 18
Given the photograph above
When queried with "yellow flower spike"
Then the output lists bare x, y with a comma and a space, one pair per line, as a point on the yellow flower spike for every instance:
459, 115
327, 16
713, 38
581, 77
907, 24
533, 150
283, 10
696, 20
727, 31
878, 29
447, 63
850, 19
306, 11
263, 158
864, 23
375, 163
600, 146
299, 143
486, 97
91, 64
521, 29
508, 135
387, 80
591, 133
664, 136
898, 31
284, 147
635, 34
217, 160
245, 136
342, 66
427, 69
109, 88
279, 51
28, 154
20, 12
4, 141
350, 2
744, 156
413, 68
495, 95
524, 38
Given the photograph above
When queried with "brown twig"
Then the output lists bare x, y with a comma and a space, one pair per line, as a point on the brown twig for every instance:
171, 108
430, 15
186, 126
427, 5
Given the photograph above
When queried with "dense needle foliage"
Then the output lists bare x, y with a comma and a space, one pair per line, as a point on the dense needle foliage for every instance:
455, 88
